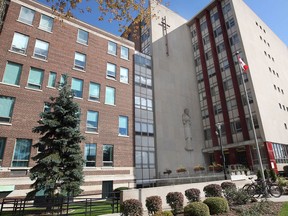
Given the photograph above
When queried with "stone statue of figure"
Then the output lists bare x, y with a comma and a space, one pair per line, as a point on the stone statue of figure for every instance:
186, 119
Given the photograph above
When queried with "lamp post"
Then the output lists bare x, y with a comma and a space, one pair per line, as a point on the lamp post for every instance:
218, 133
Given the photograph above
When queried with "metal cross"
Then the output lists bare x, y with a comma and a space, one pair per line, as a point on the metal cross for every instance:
164, 30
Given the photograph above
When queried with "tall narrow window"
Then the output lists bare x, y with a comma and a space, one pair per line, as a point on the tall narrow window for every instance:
41, 49
112, 48
110, 96
77, 87
35, 78
82, 36
2, 148
12, 73
21, 153
124, 52
80, 61
19, 43
111, 70
26, 15
46, 23
90, 155
92, 121
123, 75
123, 125
108, 155
6, 108
52, 79
94, 91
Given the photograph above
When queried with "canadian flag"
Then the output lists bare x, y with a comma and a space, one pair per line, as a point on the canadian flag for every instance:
242, 64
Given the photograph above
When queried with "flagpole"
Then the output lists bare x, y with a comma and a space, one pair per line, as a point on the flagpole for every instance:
253, 126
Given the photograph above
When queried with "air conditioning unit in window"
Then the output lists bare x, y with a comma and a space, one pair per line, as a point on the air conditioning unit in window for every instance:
94, 98
111, 74
41, 56
4, 119
19, 50
34, 85
79, 67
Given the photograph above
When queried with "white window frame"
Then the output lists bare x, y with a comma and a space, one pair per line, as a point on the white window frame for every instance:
79, 39
124, 75
23, 19
42, 23
79, 67
42, 45
123, 52
14, 46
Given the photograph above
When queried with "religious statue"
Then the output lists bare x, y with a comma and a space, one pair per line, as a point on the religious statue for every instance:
186, 119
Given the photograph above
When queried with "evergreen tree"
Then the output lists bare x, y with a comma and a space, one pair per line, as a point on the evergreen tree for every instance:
59, 162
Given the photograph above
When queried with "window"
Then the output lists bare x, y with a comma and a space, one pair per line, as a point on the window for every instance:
80, 61
94, 91
215, 17
226, 8
19, 43
77, 87
112, 48
12, 73
52, 79
230, 23
107, 155
217, 32
124, 52
2, 147
110, 96
41, 49
228, 84
207, 134
6, 108
206, 39
47, 107
92, 121
82, 36
111, 70
21, 153
46, 23
220, 47
123, 125
217, 109
203, 26
35, 78
234, 39
90, 155
208, 55
123, 75
26, 15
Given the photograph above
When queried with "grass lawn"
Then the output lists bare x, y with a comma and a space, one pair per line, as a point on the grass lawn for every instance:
284, 210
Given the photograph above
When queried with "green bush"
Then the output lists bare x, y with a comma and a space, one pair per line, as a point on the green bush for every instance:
272, 175
236, 197
213, 190
117, 191
193, 195
154, 204
132, 207
217, 205
175, 201
163, 213
196, 209
228, 185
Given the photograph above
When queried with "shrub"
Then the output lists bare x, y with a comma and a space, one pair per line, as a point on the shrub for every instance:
132, 207
272, 175
154, 204
235, 197
193, 194
212, 190
118, 190
196, 209
228, 185
175, 201
164, 213
217, 205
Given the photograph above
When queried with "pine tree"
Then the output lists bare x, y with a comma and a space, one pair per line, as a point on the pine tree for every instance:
59, 162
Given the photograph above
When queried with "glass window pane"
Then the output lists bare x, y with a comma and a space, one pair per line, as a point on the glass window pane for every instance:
77, 87
80, 61
111, 70
107, 155
2, 147
82, 36
19, 43
124, 52
123, 125
92, 121
26, 15
110, 96
94, 91
46, 23
12, 73
41, 49
112, 48
21, 153
52, 79
6, 108
123, 75
35, 78
90, 155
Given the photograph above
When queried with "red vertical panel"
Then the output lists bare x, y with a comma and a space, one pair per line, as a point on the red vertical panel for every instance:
233, 73
270, 156
206, 84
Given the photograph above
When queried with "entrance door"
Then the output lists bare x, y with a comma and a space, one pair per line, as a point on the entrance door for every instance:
107, 189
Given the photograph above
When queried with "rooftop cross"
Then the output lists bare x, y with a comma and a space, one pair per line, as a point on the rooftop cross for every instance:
164, 30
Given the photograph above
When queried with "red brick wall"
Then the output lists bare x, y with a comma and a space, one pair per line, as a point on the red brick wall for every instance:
29, 103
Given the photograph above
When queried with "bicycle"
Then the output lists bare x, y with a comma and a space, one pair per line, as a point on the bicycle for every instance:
258, 188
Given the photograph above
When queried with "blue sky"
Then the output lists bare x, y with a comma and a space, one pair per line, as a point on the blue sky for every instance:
272, 12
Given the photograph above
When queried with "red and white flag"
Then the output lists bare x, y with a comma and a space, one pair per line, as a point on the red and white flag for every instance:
242, 64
